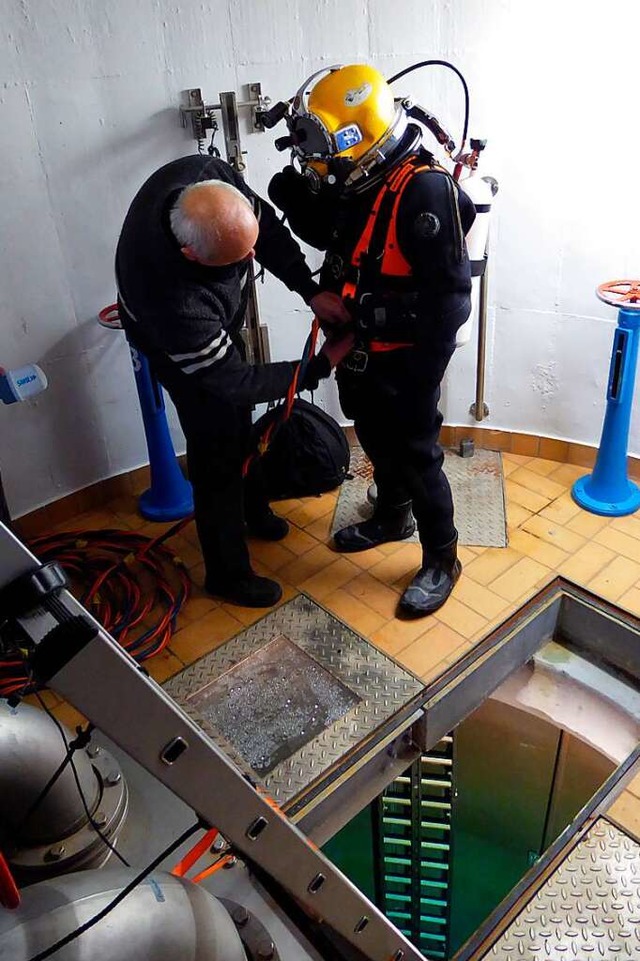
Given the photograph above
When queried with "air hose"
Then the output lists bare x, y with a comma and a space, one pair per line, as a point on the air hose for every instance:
135, 586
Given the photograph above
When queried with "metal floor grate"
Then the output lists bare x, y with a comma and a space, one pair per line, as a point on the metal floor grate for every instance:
478, 496
291, 696
589, 907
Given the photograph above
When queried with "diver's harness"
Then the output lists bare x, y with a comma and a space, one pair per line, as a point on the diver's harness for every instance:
384, 320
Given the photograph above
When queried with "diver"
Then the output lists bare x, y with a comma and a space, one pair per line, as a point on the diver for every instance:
392, 223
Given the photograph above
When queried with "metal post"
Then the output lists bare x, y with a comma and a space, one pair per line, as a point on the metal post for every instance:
257, 344
479, 408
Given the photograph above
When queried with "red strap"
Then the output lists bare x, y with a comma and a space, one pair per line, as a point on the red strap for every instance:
384, 346
394, 263
9, 894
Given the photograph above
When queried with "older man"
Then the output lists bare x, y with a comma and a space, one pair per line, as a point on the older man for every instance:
182, 263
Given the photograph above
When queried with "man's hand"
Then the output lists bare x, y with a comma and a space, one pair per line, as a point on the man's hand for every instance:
337, 346
329, 309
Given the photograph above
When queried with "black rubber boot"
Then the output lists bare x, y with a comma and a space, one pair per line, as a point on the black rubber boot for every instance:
267, 527
251, 590
386, 524
433, 583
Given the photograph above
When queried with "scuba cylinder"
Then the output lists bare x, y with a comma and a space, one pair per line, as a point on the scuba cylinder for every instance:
481, 190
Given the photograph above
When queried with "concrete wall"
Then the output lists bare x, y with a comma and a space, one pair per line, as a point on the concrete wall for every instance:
88, 108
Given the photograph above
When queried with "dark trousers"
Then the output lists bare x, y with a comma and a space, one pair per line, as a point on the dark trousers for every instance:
217, 435
394, 407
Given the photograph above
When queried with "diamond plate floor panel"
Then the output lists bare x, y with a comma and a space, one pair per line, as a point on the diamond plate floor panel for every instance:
309, 649
589, 908
478, 496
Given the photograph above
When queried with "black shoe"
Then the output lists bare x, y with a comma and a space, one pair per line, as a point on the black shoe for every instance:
433, 583
388, 524
268, 527
248, 591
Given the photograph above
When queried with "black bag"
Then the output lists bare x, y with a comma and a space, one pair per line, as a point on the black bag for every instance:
308, 454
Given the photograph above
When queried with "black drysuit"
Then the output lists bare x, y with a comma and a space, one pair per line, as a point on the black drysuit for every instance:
186, 318
394, 400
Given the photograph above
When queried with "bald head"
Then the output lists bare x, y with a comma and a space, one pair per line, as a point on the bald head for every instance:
214, 224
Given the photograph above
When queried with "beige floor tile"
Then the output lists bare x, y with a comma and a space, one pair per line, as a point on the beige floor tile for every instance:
532, 546
618, 542
587, 524
298, 541
537, 483
627, 525
554, 534
69, 716
561, 510
358, 615
329, 579
625, 812
394, 636
539, 465
402, 564
518, 459
582, 566
494, 561
466, 554
431, 653
530, 500
460, 618
378, 596
272, 554
308, 564
196, 607
631, 601
321, 528
311, 509
284, 508
566, 474
163, 665
516, 515
520, 579
634, 785
480, 599
508, 466
367, 559
204, 635
188, 553
616, 579
50, 698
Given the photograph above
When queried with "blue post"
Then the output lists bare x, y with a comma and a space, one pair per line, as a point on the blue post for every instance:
608, 490
170, 497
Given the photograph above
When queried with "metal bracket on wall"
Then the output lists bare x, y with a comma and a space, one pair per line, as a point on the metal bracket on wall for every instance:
201, 115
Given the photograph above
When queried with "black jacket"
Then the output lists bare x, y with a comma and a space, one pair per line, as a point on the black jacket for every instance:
189, 316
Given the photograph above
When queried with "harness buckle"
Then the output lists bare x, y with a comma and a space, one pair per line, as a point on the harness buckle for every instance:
356, 362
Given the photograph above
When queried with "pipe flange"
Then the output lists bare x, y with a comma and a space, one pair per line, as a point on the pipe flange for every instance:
255, 938
83, 848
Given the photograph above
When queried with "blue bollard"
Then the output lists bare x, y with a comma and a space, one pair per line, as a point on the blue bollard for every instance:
608, 490
170, 497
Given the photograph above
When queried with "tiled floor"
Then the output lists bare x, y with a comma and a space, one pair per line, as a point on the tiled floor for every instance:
548, 534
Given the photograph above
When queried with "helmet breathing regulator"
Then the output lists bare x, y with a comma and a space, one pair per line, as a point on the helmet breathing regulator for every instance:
344, 124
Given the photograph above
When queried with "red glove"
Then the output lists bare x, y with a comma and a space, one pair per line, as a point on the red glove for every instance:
329, 309
337, 346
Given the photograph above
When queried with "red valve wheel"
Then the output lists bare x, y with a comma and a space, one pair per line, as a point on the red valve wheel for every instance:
620, 293
110, 317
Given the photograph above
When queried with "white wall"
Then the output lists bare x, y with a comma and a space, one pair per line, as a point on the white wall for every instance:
88, 109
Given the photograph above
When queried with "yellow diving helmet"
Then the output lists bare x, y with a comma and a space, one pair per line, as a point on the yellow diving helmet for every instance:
344, 122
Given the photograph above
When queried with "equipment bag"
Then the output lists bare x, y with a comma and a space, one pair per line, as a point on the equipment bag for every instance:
308, 454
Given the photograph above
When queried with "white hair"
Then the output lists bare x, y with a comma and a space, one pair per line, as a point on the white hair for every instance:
202, 236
